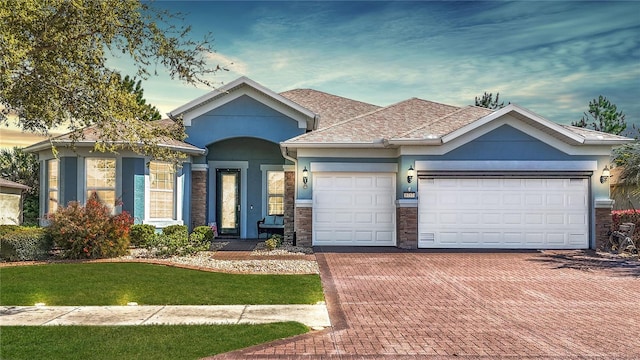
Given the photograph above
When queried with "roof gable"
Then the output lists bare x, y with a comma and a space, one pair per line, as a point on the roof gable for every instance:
244, 87
567, 134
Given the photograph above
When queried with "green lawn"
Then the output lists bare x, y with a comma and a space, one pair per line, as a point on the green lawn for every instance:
136, 342
147, 284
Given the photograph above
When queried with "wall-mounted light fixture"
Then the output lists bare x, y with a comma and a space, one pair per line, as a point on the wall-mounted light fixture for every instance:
606, 173
410, 174
305, 177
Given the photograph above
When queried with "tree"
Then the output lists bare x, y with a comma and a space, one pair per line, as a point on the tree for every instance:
54, 66
149, 112
628, 158
23, 168
487, 101
603, 116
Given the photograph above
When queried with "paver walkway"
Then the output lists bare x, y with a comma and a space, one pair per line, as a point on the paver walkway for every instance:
417, 305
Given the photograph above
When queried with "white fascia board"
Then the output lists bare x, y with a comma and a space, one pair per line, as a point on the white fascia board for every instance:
610, 142
506, 110
498, 165
419, 142
381, 143
356, 153
224, 95
91, 144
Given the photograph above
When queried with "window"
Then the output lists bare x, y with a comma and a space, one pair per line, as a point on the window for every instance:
162, 177
101, 180
52, 185
275, 192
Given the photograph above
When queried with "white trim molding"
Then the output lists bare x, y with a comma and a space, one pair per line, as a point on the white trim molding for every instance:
497, 165
352, 167
211, 190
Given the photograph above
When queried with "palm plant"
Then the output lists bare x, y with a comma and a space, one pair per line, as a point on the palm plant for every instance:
628, 158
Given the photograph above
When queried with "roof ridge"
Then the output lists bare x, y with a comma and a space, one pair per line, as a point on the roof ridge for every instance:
460, 109
330, 94
350, 119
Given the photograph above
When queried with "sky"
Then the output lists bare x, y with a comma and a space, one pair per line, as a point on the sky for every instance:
551, 57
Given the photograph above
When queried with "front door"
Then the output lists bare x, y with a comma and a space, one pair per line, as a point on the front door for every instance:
228, 201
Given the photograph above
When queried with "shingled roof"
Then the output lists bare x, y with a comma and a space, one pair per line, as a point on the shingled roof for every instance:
331, 108
395, 121
90, 135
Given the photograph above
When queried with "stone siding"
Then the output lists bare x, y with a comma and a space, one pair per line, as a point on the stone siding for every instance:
303, 226
407, 227
603, 227
198, 198
289, 205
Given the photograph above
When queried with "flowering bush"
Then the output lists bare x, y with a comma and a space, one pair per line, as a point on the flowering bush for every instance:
90, 231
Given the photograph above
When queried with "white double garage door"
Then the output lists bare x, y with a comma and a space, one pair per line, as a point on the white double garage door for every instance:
359, 209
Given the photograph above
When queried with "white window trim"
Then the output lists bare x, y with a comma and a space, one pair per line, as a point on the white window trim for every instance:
178, 198
117, 209
265, 194
57, 188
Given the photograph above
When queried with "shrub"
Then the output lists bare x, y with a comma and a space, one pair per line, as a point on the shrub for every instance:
5, 229
90, 232
273, 242
141, 234
25, 244
206, 231
172, 229
176, 243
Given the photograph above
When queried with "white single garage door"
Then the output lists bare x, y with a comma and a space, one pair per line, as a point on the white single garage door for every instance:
503, 213
354, 209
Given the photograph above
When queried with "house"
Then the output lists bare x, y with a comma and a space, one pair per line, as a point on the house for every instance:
415, 174
11, 201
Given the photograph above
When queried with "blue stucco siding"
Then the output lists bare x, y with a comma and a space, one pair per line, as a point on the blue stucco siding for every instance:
505, 143
242, 117
255, 152
68, 180
133, 170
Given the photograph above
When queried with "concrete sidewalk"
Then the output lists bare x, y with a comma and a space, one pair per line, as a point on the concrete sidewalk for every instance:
314, 316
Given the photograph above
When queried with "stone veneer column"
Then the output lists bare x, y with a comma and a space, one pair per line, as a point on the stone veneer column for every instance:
407, 224
198, 195
603, 222
289, 205
303, 223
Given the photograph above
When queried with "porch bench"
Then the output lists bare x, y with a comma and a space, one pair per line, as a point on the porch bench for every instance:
272, 224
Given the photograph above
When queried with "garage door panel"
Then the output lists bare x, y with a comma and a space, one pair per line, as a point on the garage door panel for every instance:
385, 218
362, 208
510, 213
363, 200
364, 218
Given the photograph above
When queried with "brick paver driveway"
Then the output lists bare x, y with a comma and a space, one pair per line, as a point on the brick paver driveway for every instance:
412, 305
